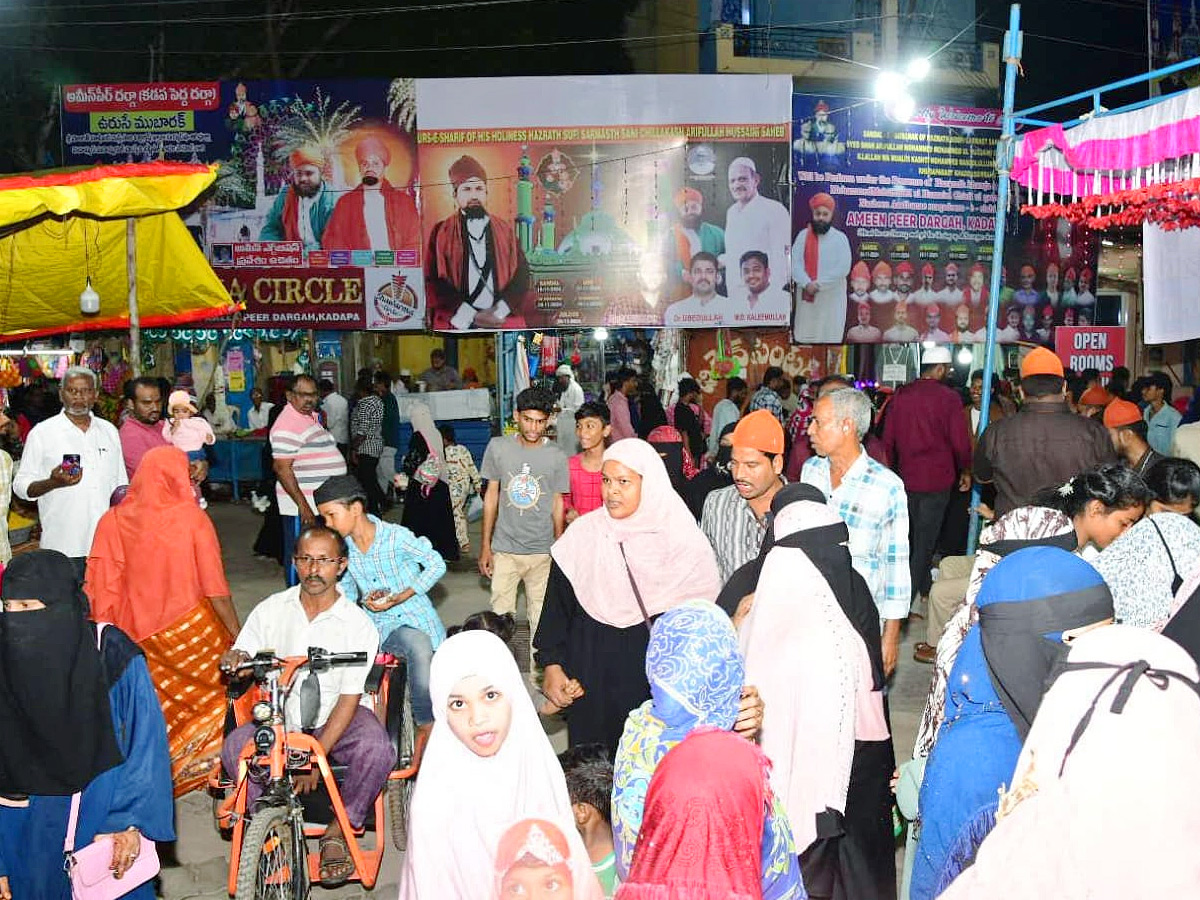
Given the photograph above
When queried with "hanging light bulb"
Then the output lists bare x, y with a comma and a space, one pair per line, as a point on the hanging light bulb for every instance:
889, 85
600, 334
89, 300
965, 356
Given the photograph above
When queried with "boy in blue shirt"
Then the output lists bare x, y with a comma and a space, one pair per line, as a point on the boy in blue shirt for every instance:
390, 574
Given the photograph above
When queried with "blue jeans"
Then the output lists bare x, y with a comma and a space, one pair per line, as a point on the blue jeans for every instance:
414, 645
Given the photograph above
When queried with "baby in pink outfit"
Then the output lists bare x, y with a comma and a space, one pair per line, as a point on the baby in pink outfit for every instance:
187, 430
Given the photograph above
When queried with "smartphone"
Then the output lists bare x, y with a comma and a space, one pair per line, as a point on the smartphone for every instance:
71, 464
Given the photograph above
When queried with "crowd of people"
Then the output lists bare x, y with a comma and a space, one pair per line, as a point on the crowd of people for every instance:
715, 604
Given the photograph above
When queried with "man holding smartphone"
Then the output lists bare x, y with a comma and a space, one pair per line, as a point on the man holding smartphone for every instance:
71, 465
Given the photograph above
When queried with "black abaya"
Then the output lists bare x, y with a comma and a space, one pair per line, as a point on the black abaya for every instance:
609, 662
428, 512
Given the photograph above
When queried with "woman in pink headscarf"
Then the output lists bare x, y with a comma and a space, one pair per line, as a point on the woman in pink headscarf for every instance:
615, 569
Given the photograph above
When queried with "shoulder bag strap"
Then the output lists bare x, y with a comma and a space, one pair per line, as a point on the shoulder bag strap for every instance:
73, 820
1177, 581
633, 584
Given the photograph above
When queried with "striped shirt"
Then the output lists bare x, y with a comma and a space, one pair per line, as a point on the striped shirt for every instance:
367, 420
872, 502
312, 450
732, 528
396, 561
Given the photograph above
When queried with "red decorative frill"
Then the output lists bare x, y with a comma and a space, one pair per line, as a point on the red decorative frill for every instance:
1170, 206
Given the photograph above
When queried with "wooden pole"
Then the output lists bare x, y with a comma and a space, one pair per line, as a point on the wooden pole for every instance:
135, 325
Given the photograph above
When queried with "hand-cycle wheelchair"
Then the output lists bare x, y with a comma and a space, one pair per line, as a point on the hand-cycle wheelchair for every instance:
270, 856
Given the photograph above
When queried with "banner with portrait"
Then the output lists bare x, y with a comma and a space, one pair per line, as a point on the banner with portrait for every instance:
314, 175
632, 201
893, 223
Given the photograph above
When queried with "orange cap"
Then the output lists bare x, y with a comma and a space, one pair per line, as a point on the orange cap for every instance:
1041, 361
759, 430
1096, 396
1121, 412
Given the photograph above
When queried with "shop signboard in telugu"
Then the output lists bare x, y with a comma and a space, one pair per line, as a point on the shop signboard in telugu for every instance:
1091, 347
620, 201
315, 176
716, 356
893, 223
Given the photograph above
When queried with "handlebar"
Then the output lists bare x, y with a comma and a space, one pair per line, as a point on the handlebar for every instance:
317, 660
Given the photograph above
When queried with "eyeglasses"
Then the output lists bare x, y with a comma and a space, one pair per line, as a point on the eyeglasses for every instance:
321, 561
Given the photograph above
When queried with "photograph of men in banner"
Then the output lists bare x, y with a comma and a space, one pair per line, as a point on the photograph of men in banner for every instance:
821, 261
331, 166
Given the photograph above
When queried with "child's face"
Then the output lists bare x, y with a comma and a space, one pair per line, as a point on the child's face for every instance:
537, 882
479, 715
181, 412
591, 432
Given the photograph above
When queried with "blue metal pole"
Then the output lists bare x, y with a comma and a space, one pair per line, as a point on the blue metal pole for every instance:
1012, 57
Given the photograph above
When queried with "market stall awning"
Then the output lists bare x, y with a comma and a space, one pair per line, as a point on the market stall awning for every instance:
58, 228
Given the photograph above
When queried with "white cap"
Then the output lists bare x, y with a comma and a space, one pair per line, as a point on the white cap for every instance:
564, 369
935, 355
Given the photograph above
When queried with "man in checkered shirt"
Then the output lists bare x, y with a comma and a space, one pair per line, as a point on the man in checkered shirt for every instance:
390, 574
871, 500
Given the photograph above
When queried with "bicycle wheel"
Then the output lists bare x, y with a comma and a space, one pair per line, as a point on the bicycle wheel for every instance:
399, 793
273, 864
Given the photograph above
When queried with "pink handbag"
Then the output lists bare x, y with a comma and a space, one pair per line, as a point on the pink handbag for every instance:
89, 868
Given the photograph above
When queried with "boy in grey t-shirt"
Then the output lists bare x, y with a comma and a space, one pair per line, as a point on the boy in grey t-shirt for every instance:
522, 507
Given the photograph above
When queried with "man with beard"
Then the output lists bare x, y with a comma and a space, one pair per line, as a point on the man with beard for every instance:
692, 234
142, 431
926, 293
952, 292
702, 308
933, 325
904, 279
764, 303
900, 332
71, 493
475, 267
375, 215
302, 209
820, 263
754, 222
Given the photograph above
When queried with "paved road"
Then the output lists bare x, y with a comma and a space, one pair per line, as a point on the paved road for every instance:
198, 866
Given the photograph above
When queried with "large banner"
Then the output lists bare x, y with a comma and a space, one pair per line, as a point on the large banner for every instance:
315, 177
894, 223
622, 201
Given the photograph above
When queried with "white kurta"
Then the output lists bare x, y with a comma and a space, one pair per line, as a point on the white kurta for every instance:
824, 320
375, 215
761, 224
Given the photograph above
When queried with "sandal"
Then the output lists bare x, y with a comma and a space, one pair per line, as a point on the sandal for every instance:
334, 871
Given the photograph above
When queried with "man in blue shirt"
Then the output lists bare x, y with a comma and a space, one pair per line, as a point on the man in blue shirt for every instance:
1161, 417
390, 574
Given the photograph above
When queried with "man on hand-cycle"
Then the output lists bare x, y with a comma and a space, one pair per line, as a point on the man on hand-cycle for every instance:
316, 613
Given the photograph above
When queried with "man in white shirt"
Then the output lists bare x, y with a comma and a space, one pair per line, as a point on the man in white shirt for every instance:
753, 222
337, 414
703, 308
820, 264
71, 497
569, 400
760, 302
316, 613
259, 415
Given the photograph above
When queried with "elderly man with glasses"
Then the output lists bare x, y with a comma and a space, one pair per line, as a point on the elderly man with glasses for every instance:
317, 613
71, 465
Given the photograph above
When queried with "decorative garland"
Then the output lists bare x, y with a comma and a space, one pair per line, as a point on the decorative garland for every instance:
1170, 206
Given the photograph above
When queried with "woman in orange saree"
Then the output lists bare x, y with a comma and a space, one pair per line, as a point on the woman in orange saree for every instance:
155, 572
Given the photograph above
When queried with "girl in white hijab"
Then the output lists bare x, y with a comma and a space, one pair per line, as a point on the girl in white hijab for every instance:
488, 764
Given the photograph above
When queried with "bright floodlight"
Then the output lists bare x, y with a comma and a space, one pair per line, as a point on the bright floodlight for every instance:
900, 108
600, 334
918, 68
965, 356
889, 85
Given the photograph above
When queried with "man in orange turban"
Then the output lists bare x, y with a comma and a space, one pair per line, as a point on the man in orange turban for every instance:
376, 215
820, 263
692, 234
302, 209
